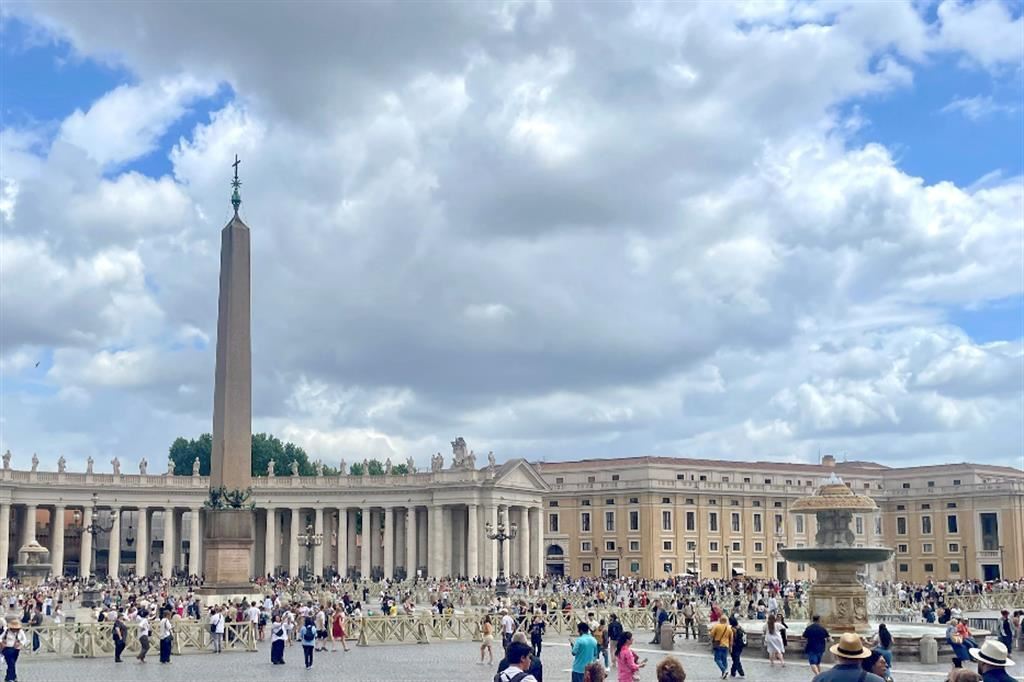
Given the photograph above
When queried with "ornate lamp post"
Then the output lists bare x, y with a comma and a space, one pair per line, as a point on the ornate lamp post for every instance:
501, 535
309, 539
95, 527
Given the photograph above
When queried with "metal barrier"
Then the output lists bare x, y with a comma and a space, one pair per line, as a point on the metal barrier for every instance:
92, 640
990, 601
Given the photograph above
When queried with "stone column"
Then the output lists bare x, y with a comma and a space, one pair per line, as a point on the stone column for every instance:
193, 543
506, 550
318, 550
389, 542
270, 543
167, 569
492, 564
353, 546
447, 540
56, 540
85, 560
537, 535
142, 543
342, 542
472, 537
435, 548
293, 546
114, 544
410, 542
30, 524
524, 542
5, 537
367, 543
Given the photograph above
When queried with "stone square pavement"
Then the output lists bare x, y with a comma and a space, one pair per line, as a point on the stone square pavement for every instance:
454, 662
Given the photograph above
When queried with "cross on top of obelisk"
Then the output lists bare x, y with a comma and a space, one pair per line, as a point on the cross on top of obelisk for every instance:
236, 199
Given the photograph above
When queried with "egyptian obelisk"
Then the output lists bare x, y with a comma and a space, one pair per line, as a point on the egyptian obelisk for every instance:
229, 532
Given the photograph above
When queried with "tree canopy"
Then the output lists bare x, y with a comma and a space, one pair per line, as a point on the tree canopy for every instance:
264, 448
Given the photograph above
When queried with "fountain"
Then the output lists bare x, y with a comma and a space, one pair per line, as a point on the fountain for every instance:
837, 595
33, 566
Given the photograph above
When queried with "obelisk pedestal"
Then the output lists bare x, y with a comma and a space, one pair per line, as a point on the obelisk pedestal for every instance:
229, 533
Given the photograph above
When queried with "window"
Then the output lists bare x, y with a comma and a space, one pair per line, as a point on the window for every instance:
634, 520
757, 523
735, 522
714, 567
746, 479
585, 546
901, 525
634, 500
667, 567
713, 546
703, 477
906, 486
989, 531
954, 566
585, 522
927, 548
666, 520
666, 500
929, 568
926, 525
901, 507
552, 523
725, 479
902, 548
680, 477
951, 505
736, 547
615, 477
953, 547
778, 524
931, 484
610, 500
634, 545
610, 545
559, 480
734, 503
691, 521
553, 503
689, 500
666, 545
756, 503
767, 481
952, 524
758, 547
799, 520
789, 481
713, 522
609, 521
904, 568
878, 525
591, 479
956, 481
777, 504
859, 524
926, 506
586, 567
758, 567
585, 503
713, 502
691, 546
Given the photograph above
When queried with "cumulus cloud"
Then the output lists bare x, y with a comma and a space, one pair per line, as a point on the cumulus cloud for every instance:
978, 107
645, 235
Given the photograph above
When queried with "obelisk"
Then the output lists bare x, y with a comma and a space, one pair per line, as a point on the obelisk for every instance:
229, 532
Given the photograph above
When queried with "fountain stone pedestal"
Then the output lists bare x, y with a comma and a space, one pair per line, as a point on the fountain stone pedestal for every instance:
837, 595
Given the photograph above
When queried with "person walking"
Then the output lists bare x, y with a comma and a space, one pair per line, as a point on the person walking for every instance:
278, 637
815, 639
849, 652
601, 635
508, 627
882, 643
519, 657
629, 664
120, 634
584, 651
12, 641
773, 641
537, 628
615, 631
165, 630
689, 619
217, 627
993, 660
487, 641
721, 643
142, 627
307, 635
338, 632
739, 643
1006, 630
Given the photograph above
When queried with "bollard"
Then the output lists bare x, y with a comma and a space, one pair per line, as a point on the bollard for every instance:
928, 649
668, 635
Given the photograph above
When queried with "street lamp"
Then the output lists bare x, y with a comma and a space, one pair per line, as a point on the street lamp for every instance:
95, 527
310, 539
501, 535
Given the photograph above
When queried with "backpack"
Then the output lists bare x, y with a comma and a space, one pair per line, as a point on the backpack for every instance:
517, 678
308, 634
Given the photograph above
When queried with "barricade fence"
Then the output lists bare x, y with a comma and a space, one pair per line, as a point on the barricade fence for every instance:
93, 640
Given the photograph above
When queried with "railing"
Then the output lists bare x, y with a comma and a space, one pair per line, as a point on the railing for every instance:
91, 640
990, 601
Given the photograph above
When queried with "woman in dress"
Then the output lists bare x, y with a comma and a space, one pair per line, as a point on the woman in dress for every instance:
487, 640
338, 628
629, 665
773, 641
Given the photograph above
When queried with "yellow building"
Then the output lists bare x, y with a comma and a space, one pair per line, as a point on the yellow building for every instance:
659, 516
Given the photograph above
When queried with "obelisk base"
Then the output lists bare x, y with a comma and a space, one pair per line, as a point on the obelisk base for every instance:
228, 540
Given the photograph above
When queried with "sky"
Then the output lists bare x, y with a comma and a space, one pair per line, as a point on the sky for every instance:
560, 230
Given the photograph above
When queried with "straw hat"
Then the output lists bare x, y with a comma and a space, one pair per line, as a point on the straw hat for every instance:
850, 645
992, 652
14, 625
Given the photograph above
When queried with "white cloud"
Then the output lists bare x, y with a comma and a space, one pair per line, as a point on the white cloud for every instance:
984, 30
978, 107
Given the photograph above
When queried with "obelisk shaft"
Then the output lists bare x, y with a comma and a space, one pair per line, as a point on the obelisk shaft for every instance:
230, 462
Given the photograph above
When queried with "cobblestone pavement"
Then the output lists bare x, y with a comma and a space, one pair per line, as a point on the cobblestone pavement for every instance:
453, 662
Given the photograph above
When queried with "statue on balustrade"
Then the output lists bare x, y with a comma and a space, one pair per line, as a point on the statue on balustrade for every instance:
170, 466
366, 467
143, 465
343, 469
35, 462
270, 469
195, 467
490, 462
410, 465
7, 460
460, 453
88, 464
62, 464
436, 462
116, 464
319, 468
387, 467
295, 468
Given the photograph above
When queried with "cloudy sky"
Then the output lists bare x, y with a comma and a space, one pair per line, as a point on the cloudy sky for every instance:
560, 230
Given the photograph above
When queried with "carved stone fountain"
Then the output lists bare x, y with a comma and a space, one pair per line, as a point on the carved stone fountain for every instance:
837, 595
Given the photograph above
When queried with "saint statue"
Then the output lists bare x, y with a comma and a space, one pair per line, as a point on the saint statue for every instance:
116, 464
7, 460
195, 467
410, 465
319, 468
471, 460
490, 461
343, 470
387, 467
436, 462
35, 462
270, 469
88, 464
143, 464
62, 464
170, 466
295, 468
366, 467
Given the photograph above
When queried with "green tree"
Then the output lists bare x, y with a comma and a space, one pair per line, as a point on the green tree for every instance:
376, 468
264, 448
400, 469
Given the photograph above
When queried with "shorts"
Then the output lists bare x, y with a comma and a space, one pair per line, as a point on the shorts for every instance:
321, 634
814, 657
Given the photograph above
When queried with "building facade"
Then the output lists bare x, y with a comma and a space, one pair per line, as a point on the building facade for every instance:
644, 516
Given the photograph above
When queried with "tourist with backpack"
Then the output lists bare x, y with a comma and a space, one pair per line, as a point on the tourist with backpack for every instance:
519, 657
615, 630
120, 634
308, 637
739, 643
278, 636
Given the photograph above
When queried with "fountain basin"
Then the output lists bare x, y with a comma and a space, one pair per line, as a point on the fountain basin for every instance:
837, 555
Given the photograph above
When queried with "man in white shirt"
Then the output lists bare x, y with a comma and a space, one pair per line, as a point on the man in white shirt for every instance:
508, 627
519, 656
166, 631
142, 624
217, 629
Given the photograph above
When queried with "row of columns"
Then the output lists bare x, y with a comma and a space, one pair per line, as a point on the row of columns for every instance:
143, 542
